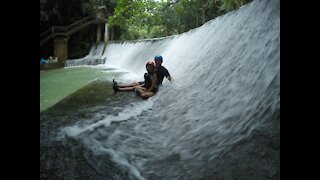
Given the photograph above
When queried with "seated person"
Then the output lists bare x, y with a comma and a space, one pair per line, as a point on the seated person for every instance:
146, 89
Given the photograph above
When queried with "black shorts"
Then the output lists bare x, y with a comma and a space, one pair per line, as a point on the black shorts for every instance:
155, 90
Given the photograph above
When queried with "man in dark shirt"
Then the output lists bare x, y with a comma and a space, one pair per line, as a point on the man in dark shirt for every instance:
160, 70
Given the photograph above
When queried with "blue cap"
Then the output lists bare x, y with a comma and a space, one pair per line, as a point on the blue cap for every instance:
158, 58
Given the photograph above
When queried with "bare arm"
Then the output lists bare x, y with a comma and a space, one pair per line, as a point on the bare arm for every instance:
168, 76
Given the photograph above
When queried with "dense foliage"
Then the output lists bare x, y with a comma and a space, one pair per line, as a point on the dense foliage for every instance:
132, 19
147, 18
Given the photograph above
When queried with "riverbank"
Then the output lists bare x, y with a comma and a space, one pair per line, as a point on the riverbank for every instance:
56, 84
50, 66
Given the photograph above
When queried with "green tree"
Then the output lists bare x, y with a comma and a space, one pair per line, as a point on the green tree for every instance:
136, 18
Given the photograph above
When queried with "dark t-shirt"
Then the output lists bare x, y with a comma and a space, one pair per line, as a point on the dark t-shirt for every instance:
161, 73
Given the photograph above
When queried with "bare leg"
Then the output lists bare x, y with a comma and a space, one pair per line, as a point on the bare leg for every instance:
146, 94
129, 85
130, 88
126, 88
142, 92
140, 89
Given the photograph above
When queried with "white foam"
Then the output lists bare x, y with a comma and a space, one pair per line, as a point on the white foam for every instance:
123, 162
132, 110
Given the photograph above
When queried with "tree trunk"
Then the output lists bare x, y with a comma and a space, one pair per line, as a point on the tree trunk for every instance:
203, 13
112, 34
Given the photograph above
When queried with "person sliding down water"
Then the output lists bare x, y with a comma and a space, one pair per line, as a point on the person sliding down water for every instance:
160, 70
148, 88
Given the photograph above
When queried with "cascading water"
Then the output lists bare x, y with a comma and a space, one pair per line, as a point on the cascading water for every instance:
93, 58
219, 119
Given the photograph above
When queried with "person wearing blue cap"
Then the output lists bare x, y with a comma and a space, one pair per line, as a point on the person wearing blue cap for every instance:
160, 70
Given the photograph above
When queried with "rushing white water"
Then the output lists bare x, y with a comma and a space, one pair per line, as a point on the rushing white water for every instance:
219, 119
93, 58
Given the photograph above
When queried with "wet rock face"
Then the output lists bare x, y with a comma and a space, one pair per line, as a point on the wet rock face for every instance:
254, 157
69, 159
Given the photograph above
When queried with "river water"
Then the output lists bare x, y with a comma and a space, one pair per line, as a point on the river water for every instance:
218, 119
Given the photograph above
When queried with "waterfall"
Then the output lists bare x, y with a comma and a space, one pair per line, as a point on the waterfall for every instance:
218, 119
93, 58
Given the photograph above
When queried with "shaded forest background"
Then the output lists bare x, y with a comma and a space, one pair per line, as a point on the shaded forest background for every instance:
129, 19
